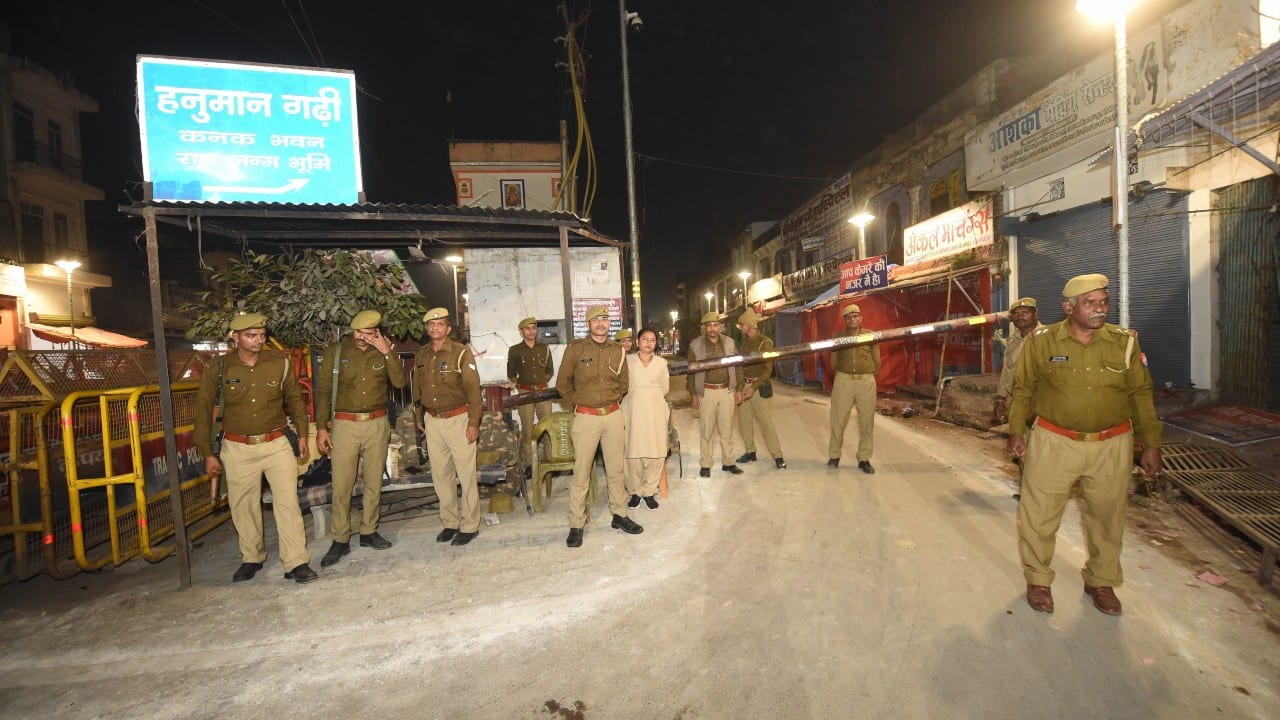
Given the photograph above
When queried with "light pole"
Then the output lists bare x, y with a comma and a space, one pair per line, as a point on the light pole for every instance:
69, 266
862, 220
1114, 11
709, 295
675, 315
744, 275
624, 19
453, 261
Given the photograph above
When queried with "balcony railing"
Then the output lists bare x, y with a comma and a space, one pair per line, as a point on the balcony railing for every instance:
40, 154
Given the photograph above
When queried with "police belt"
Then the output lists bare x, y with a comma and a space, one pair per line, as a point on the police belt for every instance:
715, 386
855, 375
587, 410
254, 439
446, 414
1107, 434
360, 416
539, 386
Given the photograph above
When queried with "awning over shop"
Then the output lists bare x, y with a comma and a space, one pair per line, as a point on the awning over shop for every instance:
91, 336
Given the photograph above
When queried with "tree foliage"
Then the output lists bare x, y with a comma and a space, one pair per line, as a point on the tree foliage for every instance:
309, 296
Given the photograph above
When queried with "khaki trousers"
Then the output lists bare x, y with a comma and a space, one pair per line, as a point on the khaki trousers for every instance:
1052, 465
351, 439
643, 475
848, 392
716, 417
526, 412
453, 462
588, 433
244, 466
752, 410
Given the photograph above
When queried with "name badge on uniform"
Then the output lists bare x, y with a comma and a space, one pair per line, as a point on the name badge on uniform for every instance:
443, 366
587, 359
1059, 358
233, 381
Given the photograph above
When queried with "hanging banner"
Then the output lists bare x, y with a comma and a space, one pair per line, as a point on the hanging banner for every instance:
862, 275
955, 231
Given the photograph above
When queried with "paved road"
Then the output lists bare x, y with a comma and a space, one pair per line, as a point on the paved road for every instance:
803, 593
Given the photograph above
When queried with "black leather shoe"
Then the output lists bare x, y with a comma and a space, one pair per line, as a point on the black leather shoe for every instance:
780, 463
336, 551
865, 466
704, 472
462, 538
302, 574
375, 541
833, 463
246, 571
651, 502
626, 525
747, 457
731, 469
446, 534
634, 502
575, 537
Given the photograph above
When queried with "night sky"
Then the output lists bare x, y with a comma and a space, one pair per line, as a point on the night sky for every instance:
755, 102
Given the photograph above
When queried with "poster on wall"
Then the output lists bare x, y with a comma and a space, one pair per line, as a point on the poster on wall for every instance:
582, 305
862, 275
513, 195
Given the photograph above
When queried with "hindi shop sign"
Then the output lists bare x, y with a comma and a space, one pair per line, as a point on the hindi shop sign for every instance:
958, 230
229, 132
862, 275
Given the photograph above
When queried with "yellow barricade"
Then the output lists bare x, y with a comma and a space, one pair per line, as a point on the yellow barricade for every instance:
118, 477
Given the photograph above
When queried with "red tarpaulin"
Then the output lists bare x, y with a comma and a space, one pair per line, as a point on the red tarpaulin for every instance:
908, 361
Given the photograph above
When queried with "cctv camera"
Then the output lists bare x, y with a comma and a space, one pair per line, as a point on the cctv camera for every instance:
635, 22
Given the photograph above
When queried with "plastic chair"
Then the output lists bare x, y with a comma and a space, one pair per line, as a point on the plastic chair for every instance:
560, 456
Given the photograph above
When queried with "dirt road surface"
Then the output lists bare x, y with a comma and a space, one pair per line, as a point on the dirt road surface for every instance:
800, 593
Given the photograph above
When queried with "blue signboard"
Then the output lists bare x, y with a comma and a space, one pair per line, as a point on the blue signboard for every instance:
229, 132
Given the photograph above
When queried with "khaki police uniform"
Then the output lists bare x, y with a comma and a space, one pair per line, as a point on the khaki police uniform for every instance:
756, 408
446, 386
1013, 349
854, 386
530, 369
714, 389
253, 422
1088, 401
359, 427
593, 378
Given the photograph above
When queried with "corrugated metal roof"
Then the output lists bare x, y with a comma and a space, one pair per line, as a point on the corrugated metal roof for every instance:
372, 224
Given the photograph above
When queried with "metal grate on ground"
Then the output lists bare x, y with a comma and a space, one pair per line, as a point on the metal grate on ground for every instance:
1244, 497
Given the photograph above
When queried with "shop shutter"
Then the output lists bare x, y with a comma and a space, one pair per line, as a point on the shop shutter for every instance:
1055, 249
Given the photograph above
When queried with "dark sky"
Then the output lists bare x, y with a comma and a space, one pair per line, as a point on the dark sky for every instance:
786, 90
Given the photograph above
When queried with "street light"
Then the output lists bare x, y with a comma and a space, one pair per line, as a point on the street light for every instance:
744, 275
708, 296
69, 266
1114, 11
862, 220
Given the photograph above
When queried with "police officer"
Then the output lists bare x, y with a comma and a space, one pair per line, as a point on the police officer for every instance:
752, 379
593, 378
854, 386
256, 384
713, 394
529, 368
625, 338
356, 425
1086, 383
1024, 320
447, 388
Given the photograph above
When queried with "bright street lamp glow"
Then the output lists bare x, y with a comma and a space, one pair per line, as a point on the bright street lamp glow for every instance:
1105, 10
862, 219
453, 259
674, 315
744, 274
68, 265
708, 295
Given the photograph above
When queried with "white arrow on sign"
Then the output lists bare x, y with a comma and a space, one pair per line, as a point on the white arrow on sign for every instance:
292, 185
